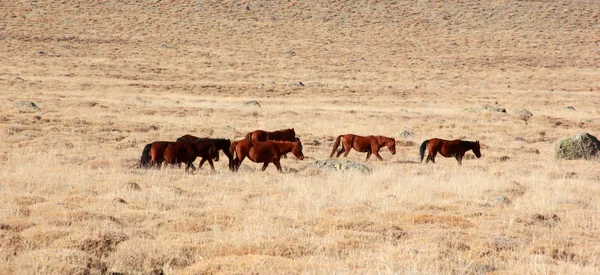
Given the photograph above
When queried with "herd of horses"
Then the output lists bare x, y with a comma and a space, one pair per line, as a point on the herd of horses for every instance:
269, 147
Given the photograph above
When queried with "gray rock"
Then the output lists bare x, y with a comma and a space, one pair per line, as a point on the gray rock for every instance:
502, 200
339, 165
486, 108
523, 112
406, 134
570, 108
252, 103
27, 105
580, 146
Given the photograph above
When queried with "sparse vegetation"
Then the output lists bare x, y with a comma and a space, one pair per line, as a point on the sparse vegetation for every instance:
109, 77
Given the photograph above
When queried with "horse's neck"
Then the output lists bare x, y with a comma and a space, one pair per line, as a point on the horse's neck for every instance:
381, 140
470, 145
285, 147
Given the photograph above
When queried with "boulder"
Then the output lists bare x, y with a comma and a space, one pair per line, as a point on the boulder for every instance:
523, 112
339, 165
580, 146
486, 108
28, 105
252, 103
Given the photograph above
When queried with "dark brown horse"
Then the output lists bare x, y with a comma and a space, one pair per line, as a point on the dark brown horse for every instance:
448, 148
221, 144
265, 152
157, 152
186, 152
282, 135
369, 144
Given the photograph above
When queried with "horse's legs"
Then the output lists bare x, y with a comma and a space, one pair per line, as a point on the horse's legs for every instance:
341, 151
459, 158
278, 165
188, 166
431, 156
265, 165
212, 166
368, 155
347, 146
201, 163
376, 153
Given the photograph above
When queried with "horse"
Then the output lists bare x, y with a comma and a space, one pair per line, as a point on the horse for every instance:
369, 144
221, 144
186, 152
265, 152
281, 135
449, 148
154, 154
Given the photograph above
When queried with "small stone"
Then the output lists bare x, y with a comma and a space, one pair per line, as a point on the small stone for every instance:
252, 103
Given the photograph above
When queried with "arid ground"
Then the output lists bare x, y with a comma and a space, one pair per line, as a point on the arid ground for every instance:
111, 76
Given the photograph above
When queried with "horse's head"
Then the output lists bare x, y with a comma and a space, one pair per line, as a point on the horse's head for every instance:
477, 149
391, 145
297, 149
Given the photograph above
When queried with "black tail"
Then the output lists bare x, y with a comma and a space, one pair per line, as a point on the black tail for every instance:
145, 159
423, 147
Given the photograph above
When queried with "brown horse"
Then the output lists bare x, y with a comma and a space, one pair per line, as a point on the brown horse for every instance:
221, 144
157, 152
186, 152
265, 152
369, 144
282, 135
448, 148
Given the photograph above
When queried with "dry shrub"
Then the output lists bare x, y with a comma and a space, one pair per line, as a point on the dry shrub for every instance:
246, 264
29, 200
11, 243
548, 220
16, 224
184, 225
443, 220
57, 261
79, 217
44, 236
99, 244
137, 256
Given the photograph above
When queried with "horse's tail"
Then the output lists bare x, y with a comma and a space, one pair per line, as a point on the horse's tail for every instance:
145, 159
336, 145
422, 150
232, 149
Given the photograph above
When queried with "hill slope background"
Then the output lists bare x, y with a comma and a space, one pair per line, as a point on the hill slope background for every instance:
112, 76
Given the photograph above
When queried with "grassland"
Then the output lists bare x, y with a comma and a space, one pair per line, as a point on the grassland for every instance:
111, 76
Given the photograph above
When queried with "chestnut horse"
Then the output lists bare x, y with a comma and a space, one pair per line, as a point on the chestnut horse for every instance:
265, 152
448, 148
282, 135
369, 144
221, 144
157, 152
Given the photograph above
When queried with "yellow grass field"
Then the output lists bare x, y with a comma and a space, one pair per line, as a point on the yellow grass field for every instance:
111, 76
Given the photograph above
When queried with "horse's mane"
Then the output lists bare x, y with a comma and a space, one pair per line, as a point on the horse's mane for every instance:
384, 139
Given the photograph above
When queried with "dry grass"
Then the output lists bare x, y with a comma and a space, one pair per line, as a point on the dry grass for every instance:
110, 77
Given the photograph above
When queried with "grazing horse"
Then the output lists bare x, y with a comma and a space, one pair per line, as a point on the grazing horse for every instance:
265, 152
186, 152
221, 144
448, 148
282, 135
369, 144
154, 154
